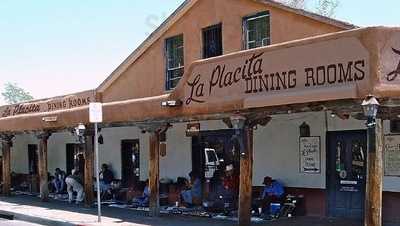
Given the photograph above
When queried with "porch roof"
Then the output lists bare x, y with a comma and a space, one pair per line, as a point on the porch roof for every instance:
346, 66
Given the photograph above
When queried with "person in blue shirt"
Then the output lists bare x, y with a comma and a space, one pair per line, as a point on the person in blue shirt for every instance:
192, 195
143, 201
273, 192
273, 189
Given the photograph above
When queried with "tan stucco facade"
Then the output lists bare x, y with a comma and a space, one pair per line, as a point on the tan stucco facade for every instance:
146, 76
371, 45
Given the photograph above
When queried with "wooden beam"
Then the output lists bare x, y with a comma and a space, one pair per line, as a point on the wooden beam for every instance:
246, 179
6, 164
154, 174
89, 167
373, 199
43, 171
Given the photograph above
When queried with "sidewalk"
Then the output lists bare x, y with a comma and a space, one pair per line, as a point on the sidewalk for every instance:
31, 209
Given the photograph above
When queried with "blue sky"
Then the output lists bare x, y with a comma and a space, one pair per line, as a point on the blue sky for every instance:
58, 47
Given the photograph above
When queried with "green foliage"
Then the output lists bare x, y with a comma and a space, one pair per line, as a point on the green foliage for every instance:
13, 94
327, 7
322, 7
300, 4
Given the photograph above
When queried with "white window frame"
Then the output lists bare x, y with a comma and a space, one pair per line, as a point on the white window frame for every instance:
168, 70
257, 16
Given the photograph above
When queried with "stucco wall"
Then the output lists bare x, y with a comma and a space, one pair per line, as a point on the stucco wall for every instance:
19, 153
275, 154
277, 150
57, 150
146, 76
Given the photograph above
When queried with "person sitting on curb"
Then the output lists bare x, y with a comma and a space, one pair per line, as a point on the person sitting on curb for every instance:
106, 178
143, 201
59, 180
273, 192
192, 195
74, 183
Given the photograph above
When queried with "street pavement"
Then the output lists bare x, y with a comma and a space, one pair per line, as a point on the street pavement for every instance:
16, 223
30, 209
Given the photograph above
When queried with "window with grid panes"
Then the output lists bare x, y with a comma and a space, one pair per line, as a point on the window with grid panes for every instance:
175, 61
212, 41
257, 30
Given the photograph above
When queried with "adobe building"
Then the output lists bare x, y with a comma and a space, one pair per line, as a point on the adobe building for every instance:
286, 83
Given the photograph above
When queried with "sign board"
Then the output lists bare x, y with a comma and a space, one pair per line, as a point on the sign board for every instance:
49, 105
392, 155
310, 155
262, 77
95, 112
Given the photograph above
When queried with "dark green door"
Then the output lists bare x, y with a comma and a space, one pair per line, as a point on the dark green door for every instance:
346, 173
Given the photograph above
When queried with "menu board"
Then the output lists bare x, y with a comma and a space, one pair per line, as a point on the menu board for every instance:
310, 155
392, 155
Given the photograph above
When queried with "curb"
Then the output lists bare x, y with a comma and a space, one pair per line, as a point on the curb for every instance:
37, 220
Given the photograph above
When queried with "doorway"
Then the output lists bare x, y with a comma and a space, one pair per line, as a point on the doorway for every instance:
33, 159
130, 162
75, 158
346, 173
220, 141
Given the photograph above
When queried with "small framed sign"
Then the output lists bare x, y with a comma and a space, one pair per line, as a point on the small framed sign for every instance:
310, 155
192, 129
392, 155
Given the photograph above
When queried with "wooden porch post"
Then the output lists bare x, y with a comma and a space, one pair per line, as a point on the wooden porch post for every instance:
154, 164
43, 171
246, 179
373, 200
6, 148
246, 125
154, 174
89, 166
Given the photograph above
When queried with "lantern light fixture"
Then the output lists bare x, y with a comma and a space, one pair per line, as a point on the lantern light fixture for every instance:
370, 107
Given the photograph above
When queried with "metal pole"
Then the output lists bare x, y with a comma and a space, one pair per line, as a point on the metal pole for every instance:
96, 148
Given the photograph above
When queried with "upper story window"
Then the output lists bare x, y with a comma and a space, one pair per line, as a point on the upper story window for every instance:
175, 60
212, 41
257, 30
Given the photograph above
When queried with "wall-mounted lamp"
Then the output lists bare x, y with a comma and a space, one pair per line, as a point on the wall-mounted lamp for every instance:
171, 103
100, 139
79, 132
304, 130
163, 144
370, 107
238, 123
49, 119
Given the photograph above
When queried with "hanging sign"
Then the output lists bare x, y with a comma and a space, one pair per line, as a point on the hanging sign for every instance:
392, 155
310, 155
95, 112
49, 105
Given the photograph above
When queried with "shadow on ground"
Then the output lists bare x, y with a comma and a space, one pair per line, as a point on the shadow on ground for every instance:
127, 216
